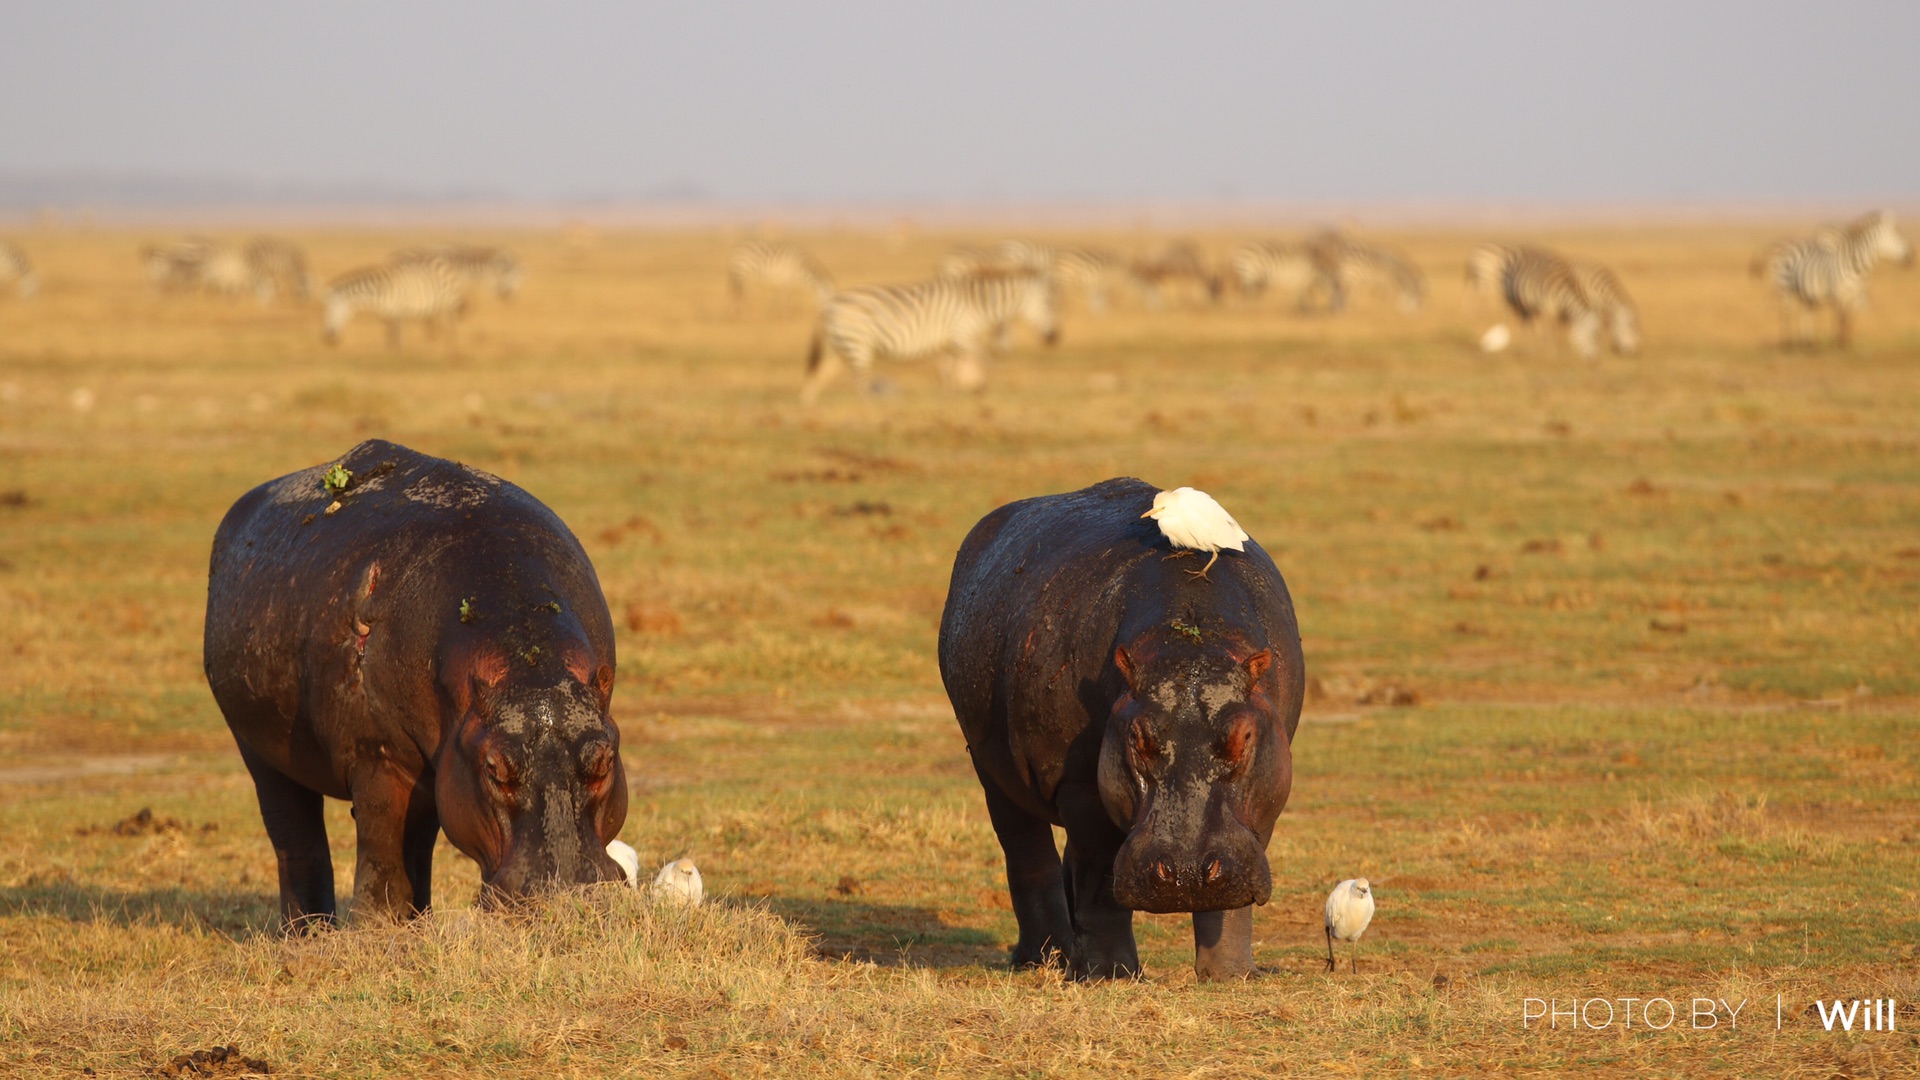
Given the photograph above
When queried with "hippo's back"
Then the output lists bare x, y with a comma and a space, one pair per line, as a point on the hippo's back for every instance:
400, 538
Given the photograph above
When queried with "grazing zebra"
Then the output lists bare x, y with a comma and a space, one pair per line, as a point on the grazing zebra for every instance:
1176, 262
280, 266
775, 266
1086, 270
1346, 266
431, 291
1259, 266
477, 266
956, 319
200, 265
1830, 270
15, 269
1538, 286
1610, 304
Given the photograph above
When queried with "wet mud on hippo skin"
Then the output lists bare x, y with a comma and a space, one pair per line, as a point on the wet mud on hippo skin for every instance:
1150, 713
431, 643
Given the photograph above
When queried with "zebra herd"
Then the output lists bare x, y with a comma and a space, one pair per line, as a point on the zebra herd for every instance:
964, 313
430, 285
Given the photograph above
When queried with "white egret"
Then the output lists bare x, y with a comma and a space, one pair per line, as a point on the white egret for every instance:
1191, 519
622, 852
1496, 338
680, 880
1349, 910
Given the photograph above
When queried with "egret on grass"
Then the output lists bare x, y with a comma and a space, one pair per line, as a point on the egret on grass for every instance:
622, 852
1349, 910
680, 880
1190, 519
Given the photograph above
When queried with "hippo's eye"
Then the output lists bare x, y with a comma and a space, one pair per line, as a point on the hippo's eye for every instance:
1237, 747
596, 761
1145, 746
499, 769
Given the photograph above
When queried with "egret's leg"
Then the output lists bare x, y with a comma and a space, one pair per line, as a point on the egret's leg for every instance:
1356, 956
1202, 572
1332, 964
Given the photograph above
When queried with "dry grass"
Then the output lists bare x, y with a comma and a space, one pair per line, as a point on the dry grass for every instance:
1615, 685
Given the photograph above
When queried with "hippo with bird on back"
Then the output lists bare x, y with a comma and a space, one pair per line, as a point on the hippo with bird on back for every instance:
1147, 709
431, 643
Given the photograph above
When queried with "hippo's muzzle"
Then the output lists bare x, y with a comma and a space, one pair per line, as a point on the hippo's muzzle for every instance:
1163, 868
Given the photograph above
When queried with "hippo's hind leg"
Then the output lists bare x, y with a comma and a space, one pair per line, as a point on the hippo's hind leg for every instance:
1223, 944
1033, 880
297, 826
1103, 945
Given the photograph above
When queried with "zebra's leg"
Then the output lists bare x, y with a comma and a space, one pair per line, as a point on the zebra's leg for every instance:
970, 371
393, 333
1842, 326
823, 366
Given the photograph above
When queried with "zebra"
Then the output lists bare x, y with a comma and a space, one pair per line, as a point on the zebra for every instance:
475, 265
1084, 269
1830, 270
1538, 286
1610, 303
279, 265
956, 319
1177, 262
965, 262
16, 269
432, 291
1255, 267
775, 266
1345, 265
201, 265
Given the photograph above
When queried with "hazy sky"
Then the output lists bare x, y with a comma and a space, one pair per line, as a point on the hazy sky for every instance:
905, 100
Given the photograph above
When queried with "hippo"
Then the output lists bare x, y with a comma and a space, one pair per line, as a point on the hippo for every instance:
1103, 687
431, 643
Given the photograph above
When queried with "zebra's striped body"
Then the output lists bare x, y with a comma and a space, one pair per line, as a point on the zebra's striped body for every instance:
1830, 270
1539, 287
956, 319
1347, 266
775, 266
1179, 262
477, 266
428, 291
16, 270
279, 265
964, 262
1259, 266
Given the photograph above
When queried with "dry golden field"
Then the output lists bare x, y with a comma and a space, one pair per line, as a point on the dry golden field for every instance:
1615, 684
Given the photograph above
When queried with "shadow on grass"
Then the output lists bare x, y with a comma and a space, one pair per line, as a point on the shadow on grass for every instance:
232, 914
890, 935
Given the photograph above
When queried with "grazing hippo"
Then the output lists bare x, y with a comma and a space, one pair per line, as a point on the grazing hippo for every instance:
431, 643
1149, 711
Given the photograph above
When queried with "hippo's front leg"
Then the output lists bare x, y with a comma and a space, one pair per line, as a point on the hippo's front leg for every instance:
1103, 945
390, 814
1034, 880
1223, 944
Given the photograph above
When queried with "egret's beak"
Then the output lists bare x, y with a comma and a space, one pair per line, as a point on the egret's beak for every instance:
1149, 513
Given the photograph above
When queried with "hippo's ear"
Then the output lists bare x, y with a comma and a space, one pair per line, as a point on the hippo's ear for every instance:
1125, 663
603, 684
1257, 666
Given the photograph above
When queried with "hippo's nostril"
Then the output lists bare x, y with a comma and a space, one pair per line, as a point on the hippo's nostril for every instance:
1213, 871
1160, 870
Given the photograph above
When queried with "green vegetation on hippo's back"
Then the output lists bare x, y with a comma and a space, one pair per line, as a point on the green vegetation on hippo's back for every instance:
336, 480
1658, 615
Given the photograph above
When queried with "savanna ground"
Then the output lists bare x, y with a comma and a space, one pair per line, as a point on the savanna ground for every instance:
1615, 692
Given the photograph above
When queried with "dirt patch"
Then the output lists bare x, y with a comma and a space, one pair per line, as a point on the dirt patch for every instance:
114, 765
219, 1061
144, 823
